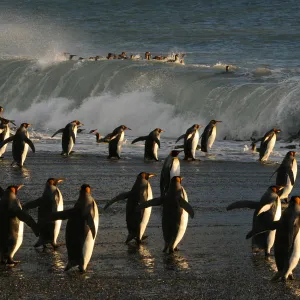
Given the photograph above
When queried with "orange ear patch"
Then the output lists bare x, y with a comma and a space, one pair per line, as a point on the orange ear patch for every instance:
88, 189
297, 199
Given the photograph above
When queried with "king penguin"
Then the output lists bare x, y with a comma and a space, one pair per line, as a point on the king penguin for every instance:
51, 201
81, 229
20, 142
116, 142
11, 224
191, 139
152, 143
171, 168
69, 134
175, 213
4, 133
267, 144
136, 220
209, 135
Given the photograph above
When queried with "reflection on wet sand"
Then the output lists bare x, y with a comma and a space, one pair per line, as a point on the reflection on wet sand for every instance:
142, 255
175, 262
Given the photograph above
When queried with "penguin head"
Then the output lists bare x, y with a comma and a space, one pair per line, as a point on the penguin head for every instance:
276, 130
77, 123
197, 126
85, 188
4, 121
93, 131
295, 200
159, 130
214, 122
146, 175
125, 127
25, 125
14, 188
1, 109
277, 189
177, 179
291, 153
174, 153
54, 181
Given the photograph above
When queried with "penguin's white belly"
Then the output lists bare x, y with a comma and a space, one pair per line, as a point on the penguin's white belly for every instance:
57, 225
3, 149
175, 169
195, 142
147, 213
155, 150
71, 145
24, 154
183, 221
120, 143
288, 188
19, 239
212, 138
270, 148
88, 245
294, 259
272, 233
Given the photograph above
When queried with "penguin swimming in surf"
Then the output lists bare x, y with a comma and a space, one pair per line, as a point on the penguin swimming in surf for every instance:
11, 224
116, 142
286, 174
191, 139
152, 143
4, 133
209, 135
20, 142
51, 201
175, 213
267, 210
287, 240
171, 168
267, 144
136, 220
81, 229
69, 134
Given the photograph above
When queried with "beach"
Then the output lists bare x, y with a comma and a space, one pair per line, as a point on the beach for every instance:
214, 260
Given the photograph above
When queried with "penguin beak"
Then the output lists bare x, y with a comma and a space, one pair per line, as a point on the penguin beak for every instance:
19, 186
93, 131
58, 180
151, 175
218, 121
127, 128
28, 125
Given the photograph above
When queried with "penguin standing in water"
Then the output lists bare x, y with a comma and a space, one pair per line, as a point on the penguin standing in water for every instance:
267, 144
69, 134
136, 220
81, 229
175, 213
267, 210
20, 142
191, 139
51, 201
11, 224
286, 174
116, 142
171, 168
209, 135
4, 133
287, 240
152, 143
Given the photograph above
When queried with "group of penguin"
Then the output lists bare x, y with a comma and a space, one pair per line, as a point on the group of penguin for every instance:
270, 225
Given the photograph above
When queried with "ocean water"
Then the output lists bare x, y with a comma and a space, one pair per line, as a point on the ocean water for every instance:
257, 39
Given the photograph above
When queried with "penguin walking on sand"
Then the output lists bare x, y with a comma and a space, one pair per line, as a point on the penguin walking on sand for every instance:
11, 224
51, 201
136, 220
20, 142
116, 142
152, 143
287, 240
267, 210
4, 133
267, 144
81, 229
191, 140
171, 168
69, 134
175, 213
209, 135
286, 174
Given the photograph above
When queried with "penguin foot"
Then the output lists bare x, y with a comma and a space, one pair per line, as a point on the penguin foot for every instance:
144, 237
10, 262
291, 277
56, 245
81, 270
68, 267
176, 249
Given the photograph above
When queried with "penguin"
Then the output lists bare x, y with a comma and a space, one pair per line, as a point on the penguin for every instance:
286, 174
50, 201
267, 144
175, 213
116, 141
11, 224
20, 142
191, 139
81, 229
69, 134
136, 220
4, 133
287, 240
100, 139
1, 110
267, 210
209, 135
171, 168
152, 143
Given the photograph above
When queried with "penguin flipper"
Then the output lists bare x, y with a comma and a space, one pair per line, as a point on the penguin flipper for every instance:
139, 139
10, 139
291, 175
57, 132
26, 218
157, 141
265, 208
30, 143
179, 147
119, 197
243, 204
91, 224
271, 226
61, 215
153, 202
32, 204
186, 206
181, 137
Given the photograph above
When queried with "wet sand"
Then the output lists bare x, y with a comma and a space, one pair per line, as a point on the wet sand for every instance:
214, 261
